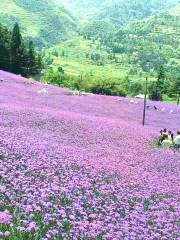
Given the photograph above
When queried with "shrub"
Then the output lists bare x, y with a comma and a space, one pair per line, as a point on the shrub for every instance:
107, 87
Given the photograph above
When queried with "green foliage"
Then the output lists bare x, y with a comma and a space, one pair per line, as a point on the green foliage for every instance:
15, 50
156, 89
108, 87
153, 93
135, 50
5, 38
148, 41
56, 77
85, 83
135, 88
116, 14
15, 55
42, 21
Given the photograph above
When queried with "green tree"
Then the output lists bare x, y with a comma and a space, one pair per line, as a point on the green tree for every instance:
160, 82
39, 64
15, 55
24, 60
177, 90
157, 89
126, 83
153, 94
4, 48
15, 46
107, 87
56, 77
135, 88
31, 59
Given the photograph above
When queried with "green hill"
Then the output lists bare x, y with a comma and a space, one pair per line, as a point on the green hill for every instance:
80, 56
116, 14
84, 10
50, 22
150, 43
42, 20
127, 51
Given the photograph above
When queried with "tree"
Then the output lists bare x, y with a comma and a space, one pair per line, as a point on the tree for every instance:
31, 59
39, 64
156, 89
56, 77
15, 49
107, 87
4, 50
153, 94
135, 88
177, 89
15, 55
126, 83
24, 60
160, 82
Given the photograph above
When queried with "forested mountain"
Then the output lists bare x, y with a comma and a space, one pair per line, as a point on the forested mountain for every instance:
83, 10
50, 22
42, 20
118, 13
154, 39
97, 16
127, 55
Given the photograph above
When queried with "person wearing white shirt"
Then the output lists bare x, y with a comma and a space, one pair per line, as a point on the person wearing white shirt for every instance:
170, 135
167, 142
177, 141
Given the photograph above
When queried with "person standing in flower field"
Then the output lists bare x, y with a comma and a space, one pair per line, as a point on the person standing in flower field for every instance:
177, 141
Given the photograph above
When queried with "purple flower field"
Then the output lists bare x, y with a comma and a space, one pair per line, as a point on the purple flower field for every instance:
83, 167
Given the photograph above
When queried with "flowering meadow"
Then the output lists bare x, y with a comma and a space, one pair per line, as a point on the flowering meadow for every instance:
83, 167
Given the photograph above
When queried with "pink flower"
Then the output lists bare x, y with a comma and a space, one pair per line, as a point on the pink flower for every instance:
32, 227
5, 217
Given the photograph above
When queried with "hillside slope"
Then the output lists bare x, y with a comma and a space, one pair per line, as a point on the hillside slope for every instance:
83, 166
140, 47
50, 22
115, 14
41, 20
84, 10
154, 40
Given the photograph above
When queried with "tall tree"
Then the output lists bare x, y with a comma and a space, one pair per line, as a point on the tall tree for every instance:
160, 83
4, 50
156, 89
161, 77
39, 63
31, 59
16, 50
24, 60
177, 90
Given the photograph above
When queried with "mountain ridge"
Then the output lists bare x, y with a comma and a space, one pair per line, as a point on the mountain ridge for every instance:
44, 22
53, 21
